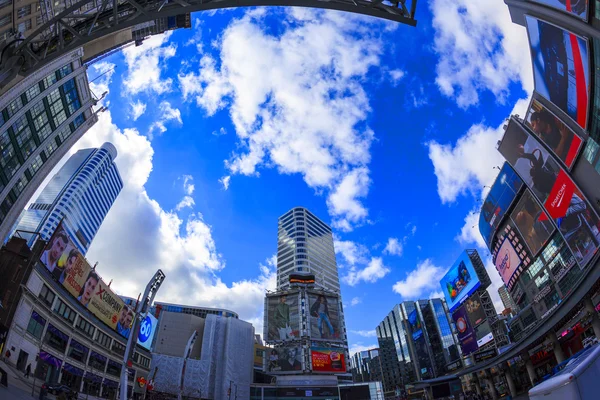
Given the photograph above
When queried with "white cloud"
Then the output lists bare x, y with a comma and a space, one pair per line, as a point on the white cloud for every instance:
357, 347
413, 230
167, 113
396, 76
393, 247
436, 295
365, 333
469, 233
220, 132
423, 279
374, 271
225, 181
297, 101
137, 109
187, 201
355, 301
144, 65
188, 185
353, 253
480, 50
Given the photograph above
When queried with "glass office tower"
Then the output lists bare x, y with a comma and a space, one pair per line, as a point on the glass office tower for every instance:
81, 193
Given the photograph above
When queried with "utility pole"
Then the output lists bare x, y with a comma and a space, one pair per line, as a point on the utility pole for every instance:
186, 355
140, 313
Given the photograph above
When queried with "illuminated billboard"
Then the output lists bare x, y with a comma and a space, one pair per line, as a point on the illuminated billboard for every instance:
464, 331
507, 261
499, 199
532, 222
71, 269
459, 282
327, 360
560, 67
475, 310
285, 359
483, 334
550, 130
283, 320
147, 329
324, 316
577, 8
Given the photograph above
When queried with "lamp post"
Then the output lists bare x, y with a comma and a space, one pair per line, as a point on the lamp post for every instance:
140, 313
186, 355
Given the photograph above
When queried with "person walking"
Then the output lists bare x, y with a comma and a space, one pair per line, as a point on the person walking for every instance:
27, 371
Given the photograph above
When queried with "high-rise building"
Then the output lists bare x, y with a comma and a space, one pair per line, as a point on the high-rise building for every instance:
507, 301
23, 17
305, 245
81, 193
41, 117
366, 366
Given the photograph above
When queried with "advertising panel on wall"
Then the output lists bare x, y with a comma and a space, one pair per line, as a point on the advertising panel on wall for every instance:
147, 329
554, 133
475, 310
460, 281
499, 199
327, 360
508, 232
324, 316
415, 325
532, 222
72, 270
420, 343
507, 261
577, 8
560, 67
483, 334
464, 331
283, 320
285, 359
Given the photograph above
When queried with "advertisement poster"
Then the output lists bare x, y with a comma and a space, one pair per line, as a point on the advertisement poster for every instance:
578, 8
324, 316
507, 261
460, 281
464, 331
147, 329
285, 359
532, 223
283, 321
73, 271
475, 310
560, 68
327, 360
483, 334
554, 133
503, 192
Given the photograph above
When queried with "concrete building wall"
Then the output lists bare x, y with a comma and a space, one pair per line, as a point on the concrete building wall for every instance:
174, 331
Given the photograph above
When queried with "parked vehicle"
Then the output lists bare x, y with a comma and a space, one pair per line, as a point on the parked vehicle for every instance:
57, 389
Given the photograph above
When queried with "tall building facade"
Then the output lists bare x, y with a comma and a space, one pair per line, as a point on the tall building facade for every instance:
507, 301
23, 17
366, 366
305, 245
41, 117
81, 193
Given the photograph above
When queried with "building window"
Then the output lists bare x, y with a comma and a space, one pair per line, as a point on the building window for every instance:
85, 327
47, 296
4, 3
36, 325
77, 351
24, 26
24, 11
118, 348
103, 340
49, 81
97, 361
5, 20
56, 339
65, 311
64, 71
14, 106
32, 92
113, 368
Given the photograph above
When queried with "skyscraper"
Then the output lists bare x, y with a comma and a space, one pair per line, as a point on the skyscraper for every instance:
305, 245
507, 300
81, 193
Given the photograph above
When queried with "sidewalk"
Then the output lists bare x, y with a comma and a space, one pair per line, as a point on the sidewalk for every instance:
17, 380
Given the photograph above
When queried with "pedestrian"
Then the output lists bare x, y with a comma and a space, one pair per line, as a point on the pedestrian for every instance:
27, 371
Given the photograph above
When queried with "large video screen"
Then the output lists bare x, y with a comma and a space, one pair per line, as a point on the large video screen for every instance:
283, 320
507, 261
532, 222
464, 331
560, 67
459, 282
554, 133
68, 266
475, 310
324, 316
501, 195
483, 333
327, 360
285, 359
578, 8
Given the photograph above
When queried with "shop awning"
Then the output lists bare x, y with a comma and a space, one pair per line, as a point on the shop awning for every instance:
73, 369
50, 359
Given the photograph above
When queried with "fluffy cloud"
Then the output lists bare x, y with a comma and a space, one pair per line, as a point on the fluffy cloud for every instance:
353, 253
424, 279
187, 201
365, 333
393, 247
480, 49
372, 272
296, 100
188, 185
137, 109
225, 181
396, 76
355, 301
357, 347
167, 113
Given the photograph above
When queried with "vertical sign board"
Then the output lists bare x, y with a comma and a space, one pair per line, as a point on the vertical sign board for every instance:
283, 318
465, 333
475, 310
532, 223
324, 317
560, 68
576, 8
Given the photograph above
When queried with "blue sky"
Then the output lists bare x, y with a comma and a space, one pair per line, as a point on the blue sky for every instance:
384, 131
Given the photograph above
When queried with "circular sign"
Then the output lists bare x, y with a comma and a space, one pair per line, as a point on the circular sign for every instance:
461, 325
145, 329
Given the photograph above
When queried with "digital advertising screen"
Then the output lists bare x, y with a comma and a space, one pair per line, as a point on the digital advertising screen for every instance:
285, 359
415, 325
499, 199
483, 333
532, 222
464, 331
327, 360
459, 282
71, 269
507, 261
552, 131
148, 328
475, 310
560, 67
324, 317
283, 320
577, 8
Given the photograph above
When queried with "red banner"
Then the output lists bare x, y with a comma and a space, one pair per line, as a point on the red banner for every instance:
560, 196
327, 360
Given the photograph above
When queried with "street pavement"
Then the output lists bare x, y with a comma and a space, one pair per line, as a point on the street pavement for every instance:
19, 387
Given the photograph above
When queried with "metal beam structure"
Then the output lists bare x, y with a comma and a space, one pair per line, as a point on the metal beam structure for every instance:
71, 29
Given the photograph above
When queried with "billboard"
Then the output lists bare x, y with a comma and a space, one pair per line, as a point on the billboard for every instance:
553, 133
475, 310
483, 334
324, 316
460, 281
532, 223
577, 8
415, 325
501, 195
71, 269
283, 320
560, 67
507, 261
464, 331
147, 329
285, 359
327, 360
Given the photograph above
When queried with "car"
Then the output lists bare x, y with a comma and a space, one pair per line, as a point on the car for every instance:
57, 389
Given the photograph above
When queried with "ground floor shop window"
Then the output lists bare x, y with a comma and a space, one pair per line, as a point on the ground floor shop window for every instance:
109, 389
48, 367
56, 339
91, 387
71, 377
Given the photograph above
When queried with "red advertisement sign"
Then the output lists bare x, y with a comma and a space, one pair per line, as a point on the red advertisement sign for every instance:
560, 197
327, 360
